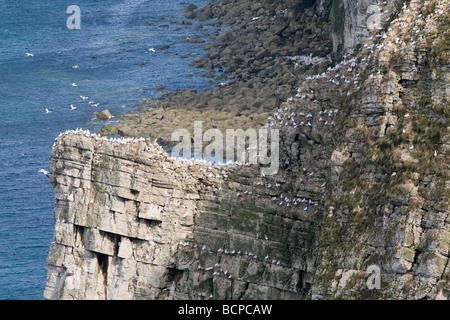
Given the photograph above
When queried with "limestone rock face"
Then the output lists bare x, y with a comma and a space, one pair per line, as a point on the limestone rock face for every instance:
353, 20
389, 204
362, 187
134, 223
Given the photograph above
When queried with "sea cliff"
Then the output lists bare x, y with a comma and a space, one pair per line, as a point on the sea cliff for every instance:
363, 177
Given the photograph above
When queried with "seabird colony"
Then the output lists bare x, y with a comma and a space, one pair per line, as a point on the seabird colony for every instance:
131, 140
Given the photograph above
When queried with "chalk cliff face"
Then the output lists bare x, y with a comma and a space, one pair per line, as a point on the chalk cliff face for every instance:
388, 205
363, 182
134, 223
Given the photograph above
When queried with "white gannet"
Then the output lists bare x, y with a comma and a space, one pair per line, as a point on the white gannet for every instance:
74, 84
48, 110
72, 107
29, 54
435, 153
152, 50
44, 172
84, 98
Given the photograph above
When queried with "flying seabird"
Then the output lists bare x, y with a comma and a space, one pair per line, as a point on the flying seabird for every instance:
44, 172
29, 54
74, 84
152, 50
48, 110
72, 107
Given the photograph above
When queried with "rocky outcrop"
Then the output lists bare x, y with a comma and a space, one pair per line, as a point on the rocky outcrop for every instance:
389, 206
134, 223
353, 20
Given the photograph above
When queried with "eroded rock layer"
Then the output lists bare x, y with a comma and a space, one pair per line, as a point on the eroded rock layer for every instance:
363, 182
134, 223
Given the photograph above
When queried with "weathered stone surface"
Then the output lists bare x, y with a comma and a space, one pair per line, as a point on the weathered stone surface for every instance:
141, 240
363, 182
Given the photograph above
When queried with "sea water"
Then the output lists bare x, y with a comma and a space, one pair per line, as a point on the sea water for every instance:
109, 61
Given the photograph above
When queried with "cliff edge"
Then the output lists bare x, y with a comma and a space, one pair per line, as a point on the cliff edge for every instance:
134, 223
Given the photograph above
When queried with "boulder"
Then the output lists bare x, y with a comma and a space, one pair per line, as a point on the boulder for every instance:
104, 115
